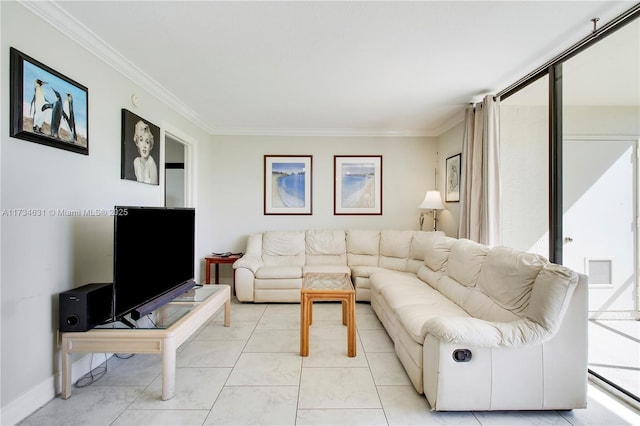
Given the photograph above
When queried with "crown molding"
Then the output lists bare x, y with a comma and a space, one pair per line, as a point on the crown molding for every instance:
238, 131
453, 121
50, 12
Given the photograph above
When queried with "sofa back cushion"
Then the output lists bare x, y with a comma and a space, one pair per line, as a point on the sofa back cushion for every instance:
419, 243
394, 249
363, 247
550, 296
283, 248
465, 261
507, 277
436, 253
326, 247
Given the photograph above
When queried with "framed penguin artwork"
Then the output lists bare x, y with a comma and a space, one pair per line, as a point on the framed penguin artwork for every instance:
47, 107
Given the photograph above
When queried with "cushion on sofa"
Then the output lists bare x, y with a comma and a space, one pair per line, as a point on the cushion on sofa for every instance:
362, 247
394, 249
429, 276
436, 254
326, 269
413, 317
279, 271
552, 291
421, 240
361, 241
419, 243
325, 242
283, 248
507, 276
365, 271
465, 261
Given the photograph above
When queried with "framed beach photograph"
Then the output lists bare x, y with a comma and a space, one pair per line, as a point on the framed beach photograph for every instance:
357, 185
287, 184
140, 149
452, 182
47, 107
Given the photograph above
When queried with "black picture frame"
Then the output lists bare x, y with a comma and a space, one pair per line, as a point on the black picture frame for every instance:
46, 107
453, 174
131, 166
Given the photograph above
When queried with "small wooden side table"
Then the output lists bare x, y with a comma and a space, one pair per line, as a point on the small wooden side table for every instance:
324, 286
217, 261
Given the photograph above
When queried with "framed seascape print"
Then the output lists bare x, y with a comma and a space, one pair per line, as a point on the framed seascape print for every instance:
452, 183
287, 184
140, 150
357, 184
46, 107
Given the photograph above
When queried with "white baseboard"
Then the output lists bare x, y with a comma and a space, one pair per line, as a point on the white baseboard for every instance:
39, 395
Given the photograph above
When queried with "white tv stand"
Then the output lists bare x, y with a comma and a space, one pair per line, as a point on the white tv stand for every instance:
172, 325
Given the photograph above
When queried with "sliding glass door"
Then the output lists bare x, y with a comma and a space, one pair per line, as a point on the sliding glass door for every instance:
601, 128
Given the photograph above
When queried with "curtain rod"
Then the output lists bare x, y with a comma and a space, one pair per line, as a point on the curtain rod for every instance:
615, 24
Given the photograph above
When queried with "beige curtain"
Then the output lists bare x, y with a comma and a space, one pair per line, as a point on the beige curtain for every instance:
480, 180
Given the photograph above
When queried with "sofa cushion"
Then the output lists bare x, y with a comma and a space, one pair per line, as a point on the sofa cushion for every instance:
419, 243
429, 276
326, 269
363, 247
414, 317
408, 290
283, 248
465, 261
365, 271
363, 241
394, 249
507, 276
279, 271
325, 242
552, 291
437, 252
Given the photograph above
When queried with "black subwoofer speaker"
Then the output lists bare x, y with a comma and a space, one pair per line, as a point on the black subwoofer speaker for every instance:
84, 307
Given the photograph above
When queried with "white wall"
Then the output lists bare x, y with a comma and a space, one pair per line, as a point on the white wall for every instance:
42, 256
231, 192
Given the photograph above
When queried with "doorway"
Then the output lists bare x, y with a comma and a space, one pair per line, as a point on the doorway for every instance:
174, 172
600, 210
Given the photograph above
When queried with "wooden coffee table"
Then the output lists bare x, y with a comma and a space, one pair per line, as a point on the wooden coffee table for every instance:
324, 286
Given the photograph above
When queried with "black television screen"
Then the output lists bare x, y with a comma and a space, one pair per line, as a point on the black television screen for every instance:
153, 254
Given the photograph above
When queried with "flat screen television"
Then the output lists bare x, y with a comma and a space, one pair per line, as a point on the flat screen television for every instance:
153, 257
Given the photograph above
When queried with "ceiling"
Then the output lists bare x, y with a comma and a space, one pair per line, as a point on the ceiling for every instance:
325, 67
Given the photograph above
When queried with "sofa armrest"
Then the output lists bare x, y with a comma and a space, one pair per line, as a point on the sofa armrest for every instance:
475, 332
253, 263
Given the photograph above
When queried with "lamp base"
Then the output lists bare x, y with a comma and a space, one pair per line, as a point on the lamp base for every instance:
435, 219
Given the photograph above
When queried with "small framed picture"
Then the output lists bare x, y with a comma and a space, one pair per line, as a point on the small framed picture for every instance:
357, 184
452, 183
140, 150
287, 184
46, 107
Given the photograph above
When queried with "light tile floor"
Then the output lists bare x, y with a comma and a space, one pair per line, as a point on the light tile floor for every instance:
251, 373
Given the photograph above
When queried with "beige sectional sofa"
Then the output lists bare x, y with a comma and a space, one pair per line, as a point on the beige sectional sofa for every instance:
476, 328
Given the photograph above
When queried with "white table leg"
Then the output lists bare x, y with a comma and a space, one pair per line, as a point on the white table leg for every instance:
66, 372
168, 369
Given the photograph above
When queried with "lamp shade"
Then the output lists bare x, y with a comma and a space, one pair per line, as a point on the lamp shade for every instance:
432, 200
